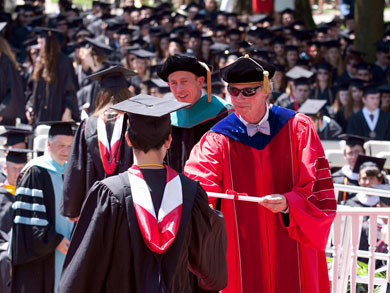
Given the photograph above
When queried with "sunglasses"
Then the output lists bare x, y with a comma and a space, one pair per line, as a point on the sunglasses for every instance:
246, 92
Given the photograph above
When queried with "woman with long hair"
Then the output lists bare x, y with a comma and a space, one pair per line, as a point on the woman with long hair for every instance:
333, 57
55, 85
12, 99
354, 101
323, 87
339, 104
99, 149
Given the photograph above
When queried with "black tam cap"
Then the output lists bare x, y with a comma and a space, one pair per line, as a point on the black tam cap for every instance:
60, 127
113, 78
365, 161
312, 106
246, 70
15, 135
17, 156
352, 140
149, 116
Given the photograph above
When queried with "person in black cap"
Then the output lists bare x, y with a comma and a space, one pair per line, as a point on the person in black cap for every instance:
93, 57
381, 66
41, 236
186, 76
55, 84
339, 105
371, 121
353, 148
99, 149
370, 170
129, 238
273, 153
385, 97
12, 99
326, 127
323, 87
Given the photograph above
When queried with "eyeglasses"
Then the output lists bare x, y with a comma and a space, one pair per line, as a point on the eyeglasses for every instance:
246, 92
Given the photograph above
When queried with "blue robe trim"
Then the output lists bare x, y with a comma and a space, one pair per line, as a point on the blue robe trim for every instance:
232, 127
198, 113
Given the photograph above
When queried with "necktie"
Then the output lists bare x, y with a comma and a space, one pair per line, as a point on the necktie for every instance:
372, 117
264, 128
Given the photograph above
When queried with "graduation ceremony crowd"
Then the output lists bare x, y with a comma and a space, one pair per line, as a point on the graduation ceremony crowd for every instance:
148, 108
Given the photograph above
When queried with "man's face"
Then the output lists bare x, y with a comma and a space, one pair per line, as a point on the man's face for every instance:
385, 100
383, 58
13, 171
351, 153
292, 57
186, 86
371, 101
194, 44
59, 148
250, 108
301, 93
367, 181
363, 74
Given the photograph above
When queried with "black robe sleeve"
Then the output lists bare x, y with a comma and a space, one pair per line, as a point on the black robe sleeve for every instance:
74, 188
89, 256
33, 229
208, 245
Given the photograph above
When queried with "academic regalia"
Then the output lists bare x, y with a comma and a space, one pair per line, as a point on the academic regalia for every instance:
330, 130
357, 125
189, 125
345, 176
5, 264
270, 252
108, 245
61, 94
88, 94
340, 119
12, 99
6, 200
85, 165
38, 228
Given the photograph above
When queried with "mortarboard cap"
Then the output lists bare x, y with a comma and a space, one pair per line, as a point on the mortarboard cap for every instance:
382, 46
15, 135
331, 44
324, 65
287, 10
98, 47
302, 81
358, 83
312, 106
17, 156
371, 89
364, 66
245, 70
47, 31
384, 88
192, 5
143, 54
149, 116
291, 48
299, 72
363, 161
113, 78
352, 140
2, 25
60, 127
159, 83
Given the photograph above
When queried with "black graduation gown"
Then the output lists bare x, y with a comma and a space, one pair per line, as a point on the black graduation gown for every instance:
5, 264
331, 131
88, 94
12, 101
340, 178
340, 119
33, 246
85, 167
6, 200
328, 94
184, 139
108, 253
357, 125
61, 94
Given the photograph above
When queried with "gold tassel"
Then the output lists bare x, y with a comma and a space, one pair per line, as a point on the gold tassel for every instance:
266, 86
208, 80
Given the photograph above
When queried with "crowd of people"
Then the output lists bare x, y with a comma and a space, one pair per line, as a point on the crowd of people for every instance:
137, 96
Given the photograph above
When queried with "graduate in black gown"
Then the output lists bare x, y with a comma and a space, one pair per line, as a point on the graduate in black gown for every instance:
11, 86
99, 149
148, 229
353, 148
186, 76
55, 85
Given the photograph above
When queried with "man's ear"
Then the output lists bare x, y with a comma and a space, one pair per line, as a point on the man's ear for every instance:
167, 143
128, 139
201, 80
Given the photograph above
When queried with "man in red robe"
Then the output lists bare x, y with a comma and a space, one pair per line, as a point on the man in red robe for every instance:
274, 153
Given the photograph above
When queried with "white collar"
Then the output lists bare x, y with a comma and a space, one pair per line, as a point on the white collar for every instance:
368, 200
348, 173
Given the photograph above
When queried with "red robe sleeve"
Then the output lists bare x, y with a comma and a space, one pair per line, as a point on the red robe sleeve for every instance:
312, 203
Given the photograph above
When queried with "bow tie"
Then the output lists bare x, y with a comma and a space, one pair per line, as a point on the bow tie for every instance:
264, 128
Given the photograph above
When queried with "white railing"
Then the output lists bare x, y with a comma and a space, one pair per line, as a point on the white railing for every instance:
343, 243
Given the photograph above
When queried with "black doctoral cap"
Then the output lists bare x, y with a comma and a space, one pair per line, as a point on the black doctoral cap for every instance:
98, 46
246, 71
149, 116
352, 140
17, 156
16, 135
60, 127
365, 161
312, 107
113, 78
2, 25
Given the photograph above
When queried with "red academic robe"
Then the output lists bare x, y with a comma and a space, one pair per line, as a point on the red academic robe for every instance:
270, 252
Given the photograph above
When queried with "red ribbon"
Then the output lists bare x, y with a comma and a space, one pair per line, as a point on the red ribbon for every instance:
235, 193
